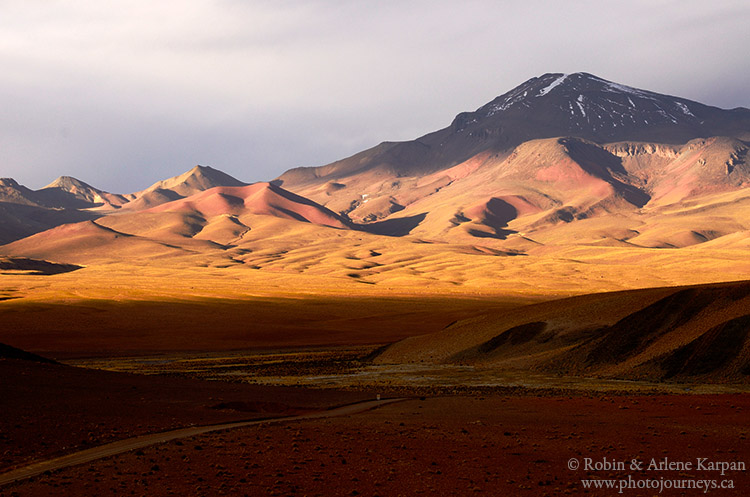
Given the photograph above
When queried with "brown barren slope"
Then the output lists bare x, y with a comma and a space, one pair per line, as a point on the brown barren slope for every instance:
691, 333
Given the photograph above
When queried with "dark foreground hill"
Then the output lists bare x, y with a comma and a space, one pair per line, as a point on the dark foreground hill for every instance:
691, 334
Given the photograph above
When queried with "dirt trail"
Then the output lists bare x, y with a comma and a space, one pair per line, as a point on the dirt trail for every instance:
129, 444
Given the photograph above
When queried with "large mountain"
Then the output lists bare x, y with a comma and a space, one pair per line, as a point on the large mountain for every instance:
558, 163
556, 149
553, 105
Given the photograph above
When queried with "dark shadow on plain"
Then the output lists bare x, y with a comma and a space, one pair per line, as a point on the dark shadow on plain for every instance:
401, 226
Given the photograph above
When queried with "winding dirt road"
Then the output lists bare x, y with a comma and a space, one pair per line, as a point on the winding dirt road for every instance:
129, 444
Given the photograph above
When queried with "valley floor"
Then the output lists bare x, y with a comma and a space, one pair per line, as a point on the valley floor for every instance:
491, 444
446, 439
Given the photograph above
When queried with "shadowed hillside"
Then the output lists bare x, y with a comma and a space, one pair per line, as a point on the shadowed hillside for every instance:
699, 333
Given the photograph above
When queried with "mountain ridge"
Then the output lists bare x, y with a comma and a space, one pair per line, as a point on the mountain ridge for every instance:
554, 161
520, 115
69, 200
652, 150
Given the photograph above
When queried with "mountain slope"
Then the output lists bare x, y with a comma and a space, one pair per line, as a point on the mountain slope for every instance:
71, 193
220, 214
87, 242
64, 193
14, 193
687, 334
552, 105
202, 226
589, 107
258, 198
25, 212
555, 150
197, 179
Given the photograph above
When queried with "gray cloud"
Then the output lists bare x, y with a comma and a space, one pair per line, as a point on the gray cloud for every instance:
122, 94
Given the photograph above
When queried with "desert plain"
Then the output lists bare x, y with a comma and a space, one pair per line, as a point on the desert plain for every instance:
223, 344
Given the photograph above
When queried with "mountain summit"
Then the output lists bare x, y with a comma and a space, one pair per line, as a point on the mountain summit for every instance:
196, 180
72, 192
556, 149
553, 105
586, 106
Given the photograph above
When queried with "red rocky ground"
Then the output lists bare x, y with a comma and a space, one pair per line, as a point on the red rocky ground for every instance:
456, 445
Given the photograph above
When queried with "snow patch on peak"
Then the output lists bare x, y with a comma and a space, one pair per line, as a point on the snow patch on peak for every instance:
625, 89
511, 98
618, 88
684, 108
552, 85
579, 102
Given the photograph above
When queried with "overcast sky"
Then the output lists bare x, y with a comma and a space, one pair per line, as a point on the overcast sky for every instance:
121, 94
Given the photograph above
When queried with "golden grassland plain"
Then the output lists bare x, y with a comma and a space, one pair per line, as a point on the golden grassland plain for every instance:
103, 312
375, 291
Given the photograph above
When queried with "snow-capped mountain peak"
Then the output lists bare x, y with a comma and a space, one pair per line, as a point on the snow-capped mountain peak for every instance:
584, 105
